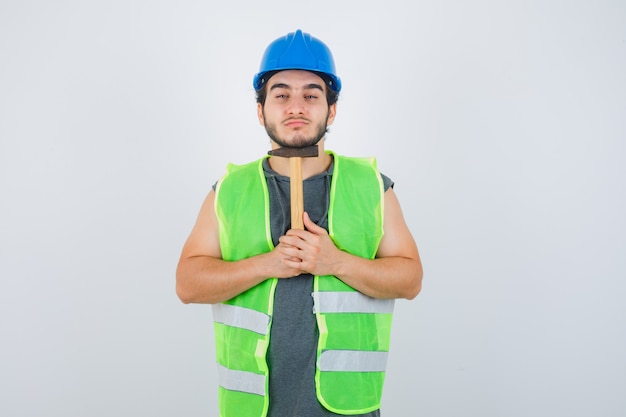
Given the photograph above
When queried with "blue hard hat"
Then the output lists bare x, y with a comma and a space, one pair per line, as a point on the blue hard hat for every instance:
299, 51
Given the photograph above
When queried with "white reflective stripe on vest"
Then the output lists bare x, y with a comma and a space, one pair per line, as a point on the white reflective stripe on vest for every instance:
350, 302
242, 381
244, 318
352, 361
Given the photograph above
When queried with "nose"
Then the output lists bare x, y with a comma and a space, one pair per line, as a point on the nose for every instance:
296, 105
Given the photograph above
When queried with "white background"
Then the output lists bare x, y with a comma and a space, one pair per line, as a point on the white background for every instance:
502, 123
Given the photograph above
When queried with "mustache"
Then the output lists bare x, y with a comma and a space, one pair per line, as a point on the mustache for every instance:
296, 118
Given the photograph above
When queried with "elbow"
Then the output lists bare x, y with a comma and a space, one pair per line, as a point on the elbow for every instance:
189, 292
183, 298
416, 285
414, 291
183, 295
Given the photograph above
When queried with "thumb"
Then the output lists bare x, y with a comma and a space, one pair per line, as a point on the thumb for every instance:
311, 226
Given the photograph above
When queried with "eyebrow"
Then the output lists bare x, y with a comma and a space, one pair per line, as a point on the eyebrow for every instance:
307, 87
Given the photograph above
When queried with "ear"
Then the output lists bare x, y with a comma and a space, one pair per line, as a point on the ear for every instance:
259, 113
332, 112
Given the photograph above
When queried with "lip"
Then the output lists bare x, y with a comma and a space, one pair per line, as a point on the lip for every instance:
296, 122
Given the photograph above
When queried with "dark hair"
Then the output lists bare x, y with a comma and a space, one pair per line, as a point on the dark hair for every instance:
331, 95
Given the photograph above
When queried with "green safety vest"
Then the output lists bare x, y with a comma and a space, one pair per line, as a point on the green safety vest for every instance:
354, 329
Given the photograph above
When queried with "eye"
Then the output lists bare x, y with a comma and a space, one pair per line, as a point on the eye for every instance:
310, 97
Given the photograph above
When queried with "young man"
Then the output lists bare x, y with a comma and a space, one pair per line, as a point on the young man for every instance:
302, 317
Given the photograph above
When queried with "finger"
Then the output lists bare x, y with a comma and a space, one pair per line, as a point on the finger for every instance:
283, 243
293, 236
291, 240
311, 226
295, 265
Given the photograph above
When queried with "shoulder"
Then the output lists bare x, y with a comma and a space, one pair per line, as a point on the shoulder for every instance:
364, 164
236, 173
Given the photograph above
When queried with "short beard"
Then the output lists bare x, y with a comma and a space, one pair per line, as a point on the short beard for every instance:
299, 141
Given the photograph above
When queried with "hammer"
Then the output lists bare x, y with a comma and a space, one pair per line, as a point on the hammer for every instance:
295, 156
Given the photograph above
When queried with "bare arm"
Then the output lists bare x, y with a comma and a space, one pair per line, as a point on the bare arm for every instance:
395, 273
203, 277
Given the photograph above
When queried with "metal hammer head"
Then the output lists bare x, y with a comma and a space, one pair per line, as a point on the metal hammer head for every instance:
306, 152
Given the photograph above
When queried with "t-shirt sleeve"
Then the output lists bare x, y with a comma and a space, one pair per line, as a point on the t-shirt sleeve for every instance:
387, 182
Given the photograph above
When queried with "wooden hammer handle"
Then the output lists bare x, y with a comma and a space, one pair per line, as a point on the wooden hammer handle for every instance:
297, 194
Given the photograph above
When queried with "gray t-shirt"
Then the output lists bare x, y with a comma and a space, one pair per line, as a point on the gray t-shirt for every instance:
294, 334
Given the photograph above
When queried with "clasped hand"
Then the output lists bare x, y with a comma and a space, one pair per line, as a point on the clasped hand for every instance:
309, 251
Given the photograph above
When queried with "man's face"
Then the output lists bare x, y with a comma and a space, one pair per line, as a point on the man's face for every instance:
296, 113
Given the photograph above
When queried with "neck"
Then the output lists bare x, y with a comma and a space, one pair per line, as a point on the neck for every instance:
310, 165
